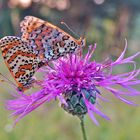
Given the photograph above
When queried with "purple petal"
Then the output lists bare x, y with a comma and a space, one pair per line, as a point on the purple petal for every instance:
92, 117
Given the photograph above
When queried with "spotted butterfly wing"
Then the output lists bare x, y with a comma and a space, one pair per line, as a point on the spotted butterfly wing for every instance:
21, 60
50, 41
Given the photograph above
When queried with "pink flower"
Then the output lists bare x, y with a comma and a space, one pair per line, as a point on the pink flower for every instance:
74, 81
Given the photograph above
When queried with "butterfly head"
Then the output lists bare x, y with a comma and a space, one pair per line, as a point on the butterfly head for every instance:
82, 42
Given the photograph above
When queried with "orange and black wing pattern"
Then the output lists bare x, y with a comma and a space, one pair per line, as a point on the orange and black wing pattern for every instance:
20, 59
50, 41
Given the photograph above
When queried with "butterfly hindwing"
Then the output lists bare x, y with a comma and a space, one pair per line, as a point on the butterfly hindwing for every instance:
50, 41
20, 59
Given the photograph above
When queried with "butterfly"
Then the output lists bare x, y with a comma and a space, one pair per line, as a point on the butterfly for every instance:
50, 41
40, 43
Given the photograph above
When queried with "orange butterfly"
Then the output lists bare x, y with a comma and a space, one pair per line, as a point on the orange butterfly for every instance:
40, 42
50, 41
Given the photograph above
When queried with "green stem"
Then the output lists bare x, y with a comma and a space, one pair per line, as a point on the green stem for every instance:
83, 130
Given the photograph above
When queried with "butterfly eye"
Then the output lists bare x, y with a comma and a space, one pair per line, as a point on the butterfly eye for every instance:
83, 42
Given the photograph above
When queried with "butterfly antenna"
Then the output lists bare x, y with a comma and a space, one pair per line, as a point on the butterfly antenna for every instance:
5, 79
69, 28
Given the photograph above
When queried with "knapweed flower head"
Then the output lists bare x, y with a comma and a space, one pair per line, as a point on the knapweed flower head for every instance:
75, 80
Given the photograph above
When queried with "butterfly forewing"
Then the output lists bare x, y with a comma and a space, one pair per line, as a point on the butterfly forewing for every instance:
21, 60
50, 41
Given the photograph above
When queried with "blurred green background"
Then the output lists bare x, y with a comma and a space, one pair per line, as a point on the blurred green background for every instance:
106, 22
